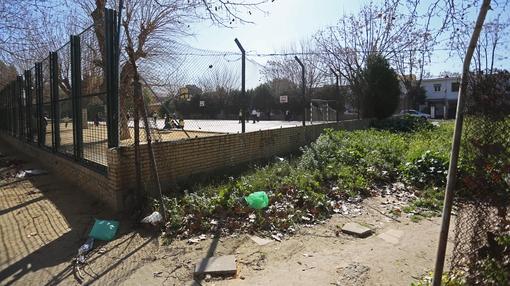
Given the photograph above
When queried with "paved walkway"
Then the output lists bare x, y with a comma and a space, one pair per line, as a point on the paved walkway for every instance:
43, 222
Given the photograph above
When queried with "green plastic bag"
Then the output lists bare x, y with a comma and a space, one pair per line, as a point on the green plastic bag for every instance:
257, 200
104, 229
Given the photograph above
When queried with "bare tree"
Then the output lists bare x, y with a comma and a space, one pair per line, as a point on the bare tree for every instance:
7, 74
491, 45
31, 29
148, 23
379, 29
284, 66
411, 62
222, 78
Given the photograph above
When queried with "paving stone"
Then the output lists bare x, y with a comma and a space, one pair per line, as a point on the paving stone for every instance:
392, 236
356, 229
218, 265
260, 241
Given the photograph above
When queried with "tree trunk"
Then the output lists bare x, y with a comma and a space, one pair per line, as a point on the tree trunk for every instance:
125, 93
126, 74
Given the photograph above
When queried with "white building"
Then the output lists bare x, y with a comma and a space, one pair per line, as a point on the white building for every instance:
441, 97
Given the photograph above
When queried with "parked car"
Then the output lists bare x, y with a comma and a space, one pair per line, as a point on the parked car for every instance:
416, 113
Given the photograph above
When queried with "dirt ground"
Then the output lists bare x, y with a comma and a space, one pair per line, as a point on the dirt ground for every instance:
43, 222
317, 255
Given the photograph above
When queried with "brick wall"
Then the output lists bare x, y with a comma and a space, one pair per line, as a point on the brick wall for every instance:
98, 185
180, 160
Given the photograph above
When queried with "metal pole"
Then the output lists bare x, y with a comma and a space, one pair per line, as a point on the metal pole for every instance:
143, 109
112, 79
337, 90
55, 113
243, 85
28, 103
39, 103
457, 133
19, 96
311, 113
136, 122
302, 87
76, 96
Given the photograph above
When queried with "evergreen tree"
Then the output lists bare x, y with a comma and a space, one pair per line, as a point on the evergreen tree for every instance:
381, 89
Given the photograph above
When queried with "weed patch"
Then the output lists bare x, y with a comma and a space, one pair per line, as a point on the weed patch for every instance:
339, 166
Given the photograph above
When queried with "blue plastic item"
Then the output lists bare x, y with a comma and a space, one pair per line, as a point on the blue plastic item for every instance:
104, 229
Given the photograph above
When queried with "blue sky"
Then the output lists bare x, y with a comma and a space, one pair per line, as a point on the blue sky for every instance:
289, 21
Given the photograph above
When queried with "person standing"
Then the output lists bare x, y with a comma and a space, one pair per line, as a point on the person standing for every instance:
155, 119
240, 115
96, 120
254, 115
44, 124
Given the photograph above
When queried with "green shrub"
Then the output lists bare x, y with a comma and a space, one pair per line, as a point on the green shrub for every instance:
430, 169
338, 165
404, 123
448, 279
371, 155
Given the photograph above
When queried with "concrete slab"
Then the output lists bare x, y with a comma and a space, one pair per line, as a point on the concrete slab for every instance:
217, 265
391, 236
356, 229
260, 241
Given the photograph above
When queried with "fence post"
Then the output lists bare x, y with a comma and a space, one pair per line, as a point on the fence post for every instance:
19, 96
39, 103
76, 97
243, 85
55, 105
337, 90
3, 109
28, 103
11, 109
303, 85
15, 111
111, 77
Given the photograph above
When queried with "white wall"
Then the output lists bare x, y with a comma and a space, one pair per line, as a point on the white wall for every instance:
445, 90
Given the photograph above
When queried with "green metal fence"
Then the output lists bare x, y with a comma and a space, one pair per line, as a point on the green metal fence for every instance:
67, 104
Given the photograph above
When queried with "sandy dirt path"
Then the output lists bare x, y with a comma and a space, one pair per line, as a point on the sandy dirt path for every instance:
314, 256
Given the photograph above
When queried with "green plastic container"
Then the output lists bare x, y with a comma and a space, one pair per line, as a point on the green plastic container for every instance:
257, 200
104, 229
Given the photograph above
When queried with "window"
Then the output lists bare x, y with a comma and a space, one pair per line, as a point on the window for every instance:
455, 86
437, 87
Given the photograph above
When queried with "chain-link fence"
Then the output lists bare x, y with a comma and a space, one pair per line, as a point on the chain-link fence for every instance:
47, 112
63, 111
62, 104
191, 93
93, 99
481, 249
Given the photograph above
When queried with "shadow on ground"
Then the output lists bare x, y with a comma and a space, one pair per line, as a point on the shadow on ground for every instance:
43, 222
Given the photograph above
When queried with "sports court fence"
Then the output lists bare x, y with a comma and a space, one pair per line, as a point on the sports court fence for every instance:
72, 103
64, 103
191, 92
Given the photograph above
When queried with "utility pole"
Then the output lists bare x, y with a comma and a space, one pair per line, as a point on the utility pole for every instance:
302, 87
243, 85
337, 89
